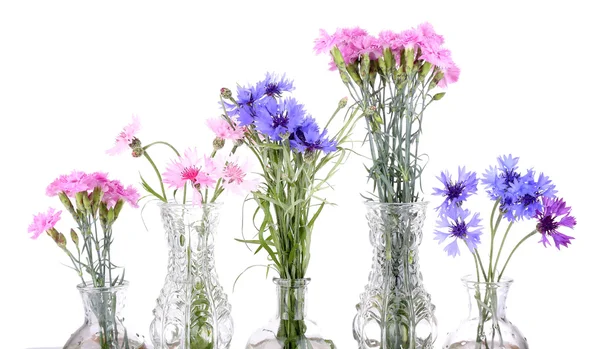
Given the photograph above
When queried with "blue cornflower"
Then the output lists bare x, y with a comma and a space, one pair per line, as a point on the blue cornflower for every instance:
456, 192
244, 108
455, 224
307, 138
277, 119
519, 195
274, 86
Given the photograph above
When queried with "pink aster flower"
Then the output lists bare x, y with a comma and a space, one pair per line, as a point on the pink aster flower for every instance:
223, 129
235, 175
555, 214
191, 168
43, 222
126, 136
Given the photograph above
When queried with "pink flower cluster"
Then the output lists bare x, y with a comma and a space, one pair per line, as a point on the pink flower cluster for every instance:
204, 172
78, 181
354, 42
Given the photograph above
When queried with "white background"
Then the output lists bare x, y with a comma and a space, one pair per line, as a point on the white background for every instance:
72, 73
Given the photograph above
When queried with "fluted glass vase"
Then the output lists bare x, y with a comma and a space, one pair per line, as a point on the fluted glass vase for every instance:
486, 327
192, 311
103, 324
395, 311
290, 328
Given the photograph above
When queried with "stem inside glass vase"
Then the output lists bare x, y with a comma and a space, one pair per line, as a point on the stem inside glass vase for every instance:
291, 295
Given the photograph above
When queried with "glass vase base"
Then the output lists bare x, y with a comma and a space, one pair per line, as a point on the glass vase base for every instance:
475, 345
308, 343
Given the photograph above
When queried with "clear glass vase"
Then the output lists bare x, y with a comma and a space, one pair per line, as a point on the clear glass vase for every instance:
192, 311
290, 328
486, 327
395, 311
103, 325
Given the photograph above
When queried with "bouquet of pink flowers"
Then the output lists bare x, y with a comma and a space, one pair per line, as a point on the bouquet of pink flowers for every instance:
90, 199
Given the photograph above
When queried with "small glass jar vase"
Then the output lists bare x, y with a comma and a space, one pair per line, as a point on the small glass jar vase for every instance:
103, 325
192, 311
395, 310
486, 327
290, 329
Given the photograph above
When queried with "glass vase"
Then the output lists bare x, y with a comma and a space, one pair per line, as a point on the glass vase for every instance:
192, 311
395, 311
103, 325
290, 328
486, 327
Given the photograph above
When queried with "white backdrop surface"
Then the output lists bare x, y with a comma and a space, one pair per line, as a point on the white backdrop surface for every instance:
72, 73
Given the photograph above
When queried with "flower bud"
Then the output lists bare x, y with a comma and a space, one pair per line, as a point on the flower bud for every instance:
218, 143
238, 143
438, 96
61, 240
118, 207
74, 237
342, 103
66, 202
137, 152
135, 143
226, 93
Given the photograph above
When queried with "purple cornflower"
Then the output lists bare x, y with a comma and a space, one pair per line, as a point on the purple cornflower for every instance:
519, 194
456, 192
549, 220
277, 119
274, 86
307, 138
455, 224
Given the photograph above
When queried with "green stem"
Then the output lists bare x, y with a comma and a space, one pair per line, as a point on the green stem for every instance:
161, 142
513, 251
162, 186
501, 246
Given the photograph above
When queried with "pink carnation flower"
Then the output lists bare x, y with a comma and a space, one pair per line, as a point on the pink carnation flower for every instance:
115, 191
451, 74
71, 184
43, 222
223, 130
126, 136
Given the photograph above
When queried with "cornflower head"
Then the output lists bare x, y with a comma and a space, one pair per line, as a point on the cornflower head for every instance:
519, 195
455, 192
458, 224
554, 214
127, 139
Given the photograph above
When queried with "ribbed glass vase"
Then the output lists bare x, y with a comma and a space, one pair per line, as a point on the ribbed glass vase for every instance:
395, 311
192, 311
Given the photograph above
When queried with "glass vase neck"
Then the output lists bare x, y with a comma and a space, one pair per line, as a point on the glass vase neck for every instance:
291, 298
96, 299
494, 294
